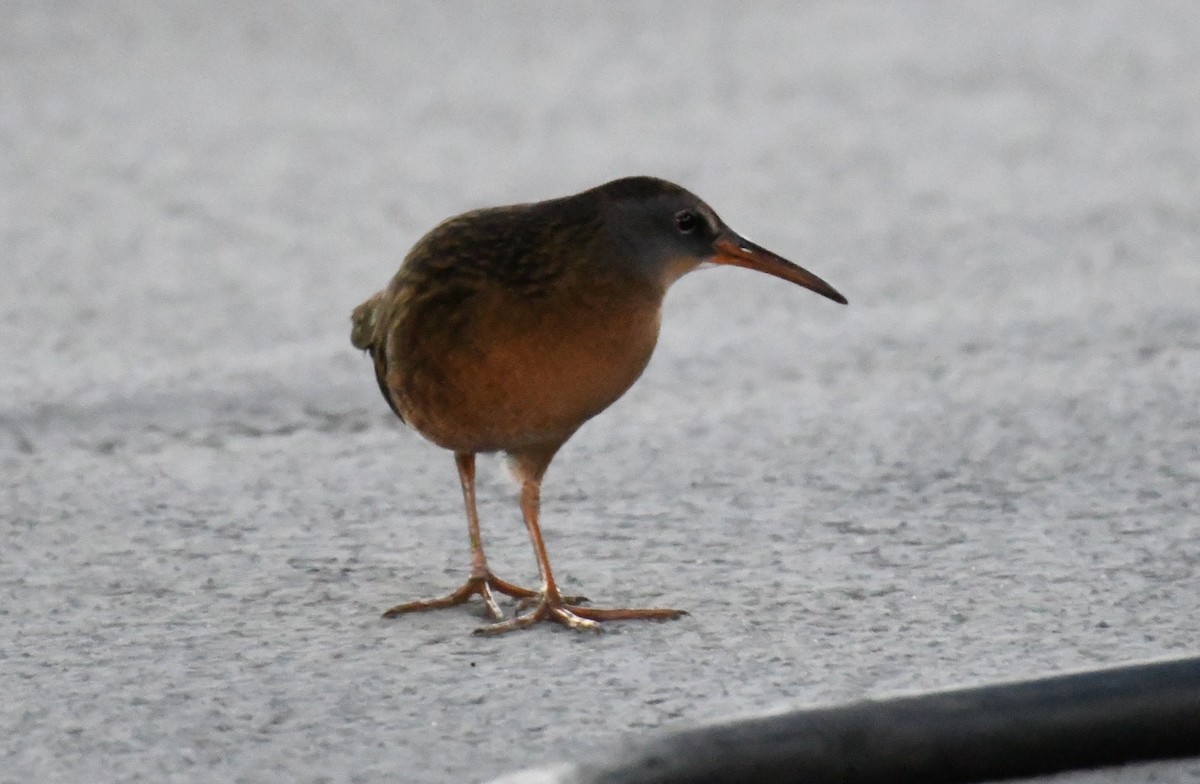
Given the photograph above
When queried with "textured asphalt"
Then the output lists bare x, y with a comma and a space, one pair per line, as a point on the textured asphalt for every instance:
987, 467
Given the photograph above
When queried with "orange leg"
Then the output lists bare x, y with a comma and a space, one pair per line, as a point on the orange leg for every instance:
481, 580
549, 604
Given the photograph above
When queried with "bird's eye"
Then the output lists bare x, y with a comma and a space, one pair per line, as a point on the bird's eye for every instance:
687, 221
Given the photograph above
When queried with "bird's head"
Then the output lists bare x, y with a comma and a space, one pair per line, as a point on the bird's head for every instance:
669, 232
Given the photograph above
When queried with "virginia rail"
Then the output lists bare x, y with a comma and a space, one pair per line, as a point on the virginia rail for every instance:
506, 329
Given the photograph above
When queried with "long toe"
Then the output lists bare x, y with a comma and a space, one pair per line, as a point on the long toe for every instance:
575, 617
544, 611
483, 586
510, 589
626, 614
512, 624
464, 592
536, 599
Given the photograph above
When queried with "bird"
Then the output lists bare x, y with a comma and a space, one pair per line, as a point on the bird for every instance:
507, 328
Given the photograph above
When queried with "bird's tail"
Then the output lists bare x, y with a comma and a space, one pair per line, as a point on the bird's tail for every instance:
366, 316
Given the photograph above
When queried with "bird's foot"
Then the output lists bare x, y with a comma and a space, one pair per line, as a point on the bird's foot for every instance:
483, 584
564, 610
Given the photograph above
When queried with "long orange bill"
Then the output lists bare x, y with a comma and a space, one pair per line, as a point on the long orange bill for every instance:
738, 252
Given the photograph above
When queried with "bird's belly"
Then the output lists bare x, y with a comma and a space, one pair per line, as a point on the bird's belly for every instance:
518, 381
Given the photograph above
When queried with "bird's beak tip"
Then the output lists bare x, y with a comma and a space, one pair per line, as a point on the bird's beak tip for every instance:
738, 252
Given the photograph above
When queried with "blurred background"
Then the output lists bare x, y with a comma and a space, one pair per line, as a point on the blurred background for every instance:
986, 467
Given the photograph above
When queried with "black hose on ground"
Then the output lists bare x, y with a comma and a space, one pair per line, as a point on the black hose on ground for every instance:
1006, 731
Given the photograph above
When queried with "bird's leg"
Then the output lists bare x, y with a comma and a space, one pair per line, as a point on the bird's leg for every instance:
550, 605
481, 580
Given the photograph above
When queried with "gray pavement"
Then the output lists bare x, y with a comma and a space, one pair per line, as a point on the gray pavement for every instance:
987, 467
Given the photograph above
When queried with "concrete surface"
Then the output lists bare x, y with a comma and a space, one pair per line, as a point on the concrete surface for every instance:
987, 467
